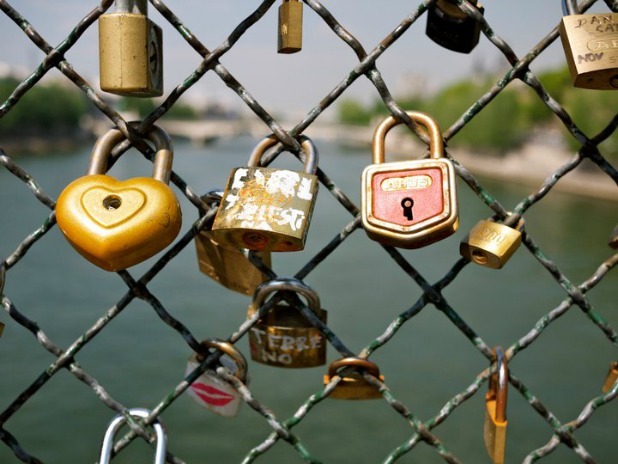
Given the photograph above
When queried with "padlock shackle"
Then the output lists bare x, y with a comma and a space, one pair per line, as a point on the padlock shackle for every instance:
309, 149
164, 156
371, 367
287, 284
498, 384
569, 7
132, 6
436, 144
232, 352
211, 197
115, 425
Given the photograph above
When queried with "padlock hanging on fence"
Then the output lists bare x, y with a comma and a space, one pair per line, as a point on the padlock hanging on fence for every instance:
409, 204
130, 51
495, 409
611, 378
452, 28
290, 38
491, 244
589, 42
353, 385
118, 224
282, 336
226, 263
268, 209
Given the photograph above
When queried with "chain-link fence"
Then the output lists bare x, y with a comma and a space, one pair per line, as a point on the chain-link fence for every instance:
563, 432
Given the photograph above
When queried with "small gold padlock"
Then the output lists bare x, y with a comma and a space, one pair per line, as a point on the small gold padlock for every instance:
290, 26
491, 244
283, 337
612, 377
353, 386
409, 204
226, 263
268, 209
130, 51
117, 224
590, 46
451, 28
613, 239
495, 409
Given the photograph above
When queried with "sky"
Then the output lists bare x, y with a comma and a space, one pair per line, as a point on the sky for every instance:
296, 82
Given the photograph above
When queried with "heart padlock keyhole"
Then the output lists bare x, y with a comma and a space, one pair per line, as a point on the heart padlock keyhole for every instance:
112, 202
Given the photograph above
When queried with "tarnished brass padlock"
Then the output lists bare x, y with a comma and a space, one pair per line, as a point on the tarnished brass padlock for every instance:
353, 386
409, 204
114, 426
212, 391
491, 244
590, 43
117, 224
225, 263
290, 26
495, 409
612, 377
268, 209
451, 28
130, 51
613, 240
283, 337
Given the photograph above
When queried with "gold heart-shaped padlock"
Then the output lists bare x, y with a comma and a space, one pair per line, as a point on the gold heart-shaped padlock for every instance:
117, 224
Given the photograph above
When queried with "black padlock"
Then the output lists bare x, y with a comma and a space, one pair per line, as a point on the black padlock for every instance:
451, 28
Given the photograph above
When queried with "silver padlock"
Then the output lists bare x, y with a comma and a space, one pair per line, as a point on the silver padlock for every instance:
212, 391
119, 421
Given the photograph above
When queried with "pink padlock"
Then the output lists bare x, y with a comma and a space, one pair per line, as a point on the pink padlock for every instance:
210, 389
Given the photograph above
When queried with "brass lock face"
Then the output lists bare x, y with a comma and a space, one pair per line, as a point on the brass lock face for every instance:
491, 244
590, 43
353, 386
290, 27
613, 240
409, 204
451, 28
612, 377
117, 224
225, 263
495, 409
130, 51
268, 209
282, 337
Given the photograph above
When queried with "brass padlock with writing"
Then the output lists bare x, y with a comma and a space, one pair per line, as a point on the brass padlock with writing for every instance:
210, 389
353, 385
590, 43
612, 377
117, 224
495, 409
268, 209
290, 27
130, 51
282, 336
452, 28
226, 263
491, 244
409, 204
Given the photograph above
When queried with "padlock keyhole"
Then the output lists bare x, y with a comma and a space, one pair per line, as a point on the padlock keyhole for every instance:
112, 202
407, 204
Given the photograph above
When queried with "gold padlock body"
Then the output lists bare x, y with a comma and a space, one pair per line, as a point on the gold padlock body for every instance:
266, 209
228, 265
117, 224
290, 27
130, 55
284, 338
490, 244
494, 433
612, 376
354, 387
590, 43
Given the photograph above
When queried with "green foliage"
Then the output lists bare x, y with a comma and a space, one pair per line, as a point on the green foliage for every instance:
352, 112
144, 106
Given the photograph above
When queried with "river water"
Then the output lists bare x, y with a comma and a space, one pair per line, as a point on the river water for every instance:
139, 360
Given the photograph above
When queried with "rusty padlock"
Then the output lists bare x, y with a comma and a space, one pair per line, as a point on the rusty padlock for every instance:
491, 244
226, 263
353, 386
495, 409
283, 337
268, 209
210, 389
409, 204
451, 28
612, 377
590, 43
117, 224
